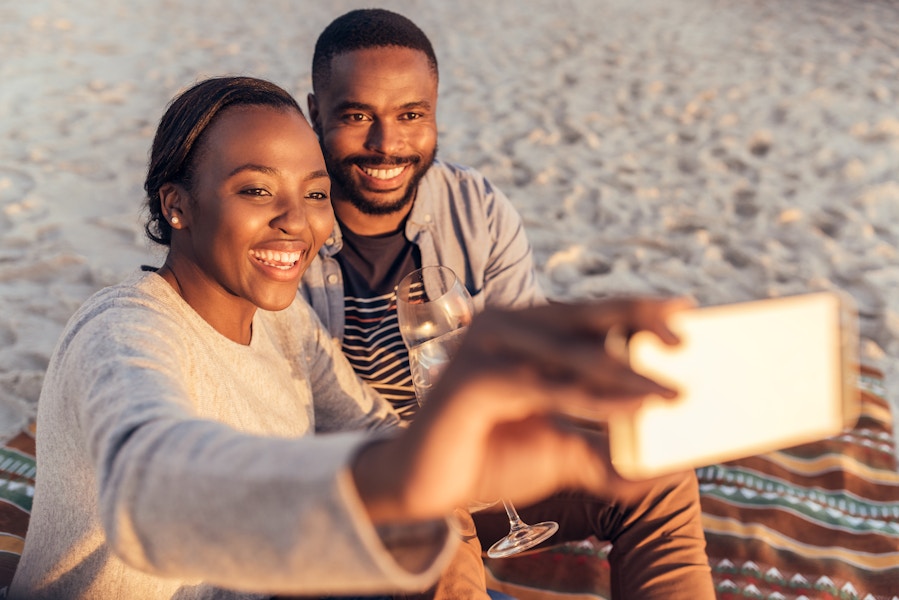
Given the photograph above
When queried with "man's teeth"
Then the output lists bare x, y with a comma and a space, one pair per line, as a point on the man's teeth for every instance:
383, 173
279, 260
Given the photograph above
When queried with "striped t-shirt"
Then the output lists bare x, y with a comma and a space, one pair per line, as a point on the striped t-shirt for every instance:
372, 266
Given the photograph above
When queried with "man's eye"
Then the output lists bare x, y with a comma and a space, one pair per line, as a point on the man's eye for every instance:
412, 116
317, 196
355, 117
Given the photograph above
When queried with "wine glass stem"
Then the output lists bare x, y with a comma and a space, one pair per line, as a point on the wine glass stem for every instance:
514, 520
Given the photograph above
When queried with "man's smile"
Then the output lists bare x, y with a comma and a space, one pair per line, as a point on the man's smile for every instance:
383, 173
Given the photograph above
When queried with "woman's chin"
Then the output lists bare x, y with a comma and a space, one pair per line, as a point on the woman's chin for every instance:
277, 299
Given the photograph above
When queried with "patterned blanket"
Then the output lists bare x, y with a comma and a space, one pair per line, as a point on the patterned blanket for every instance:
17, 470
818, 522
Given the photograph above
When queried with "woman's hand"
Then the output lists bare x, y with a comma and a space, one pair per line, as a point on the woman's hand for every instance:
495, 425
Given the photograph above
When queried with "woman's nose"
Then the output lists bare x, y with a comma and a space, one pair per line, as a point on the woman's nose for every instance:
291, 216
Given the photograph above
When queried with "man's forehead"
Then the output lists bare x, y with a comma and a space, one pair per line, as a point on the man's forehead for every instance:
382, 59
382, 78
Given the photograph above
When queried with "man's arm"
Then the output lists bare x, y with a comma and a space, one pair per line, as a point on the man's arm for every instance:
510, 279
479, 234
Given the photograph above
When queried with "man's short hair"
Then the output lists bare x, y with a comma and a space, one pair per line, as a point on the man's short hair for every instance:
366, 28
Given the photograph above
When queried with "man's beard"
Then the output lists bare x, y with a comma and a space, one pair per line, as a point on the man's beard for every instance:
340, 174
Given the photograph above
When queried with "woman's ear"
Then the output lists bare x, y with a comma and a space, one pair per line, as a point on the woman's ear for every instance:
173, 199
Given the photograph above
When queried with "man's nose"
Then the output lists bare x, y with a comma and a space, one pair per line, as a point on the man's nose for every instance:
385, 138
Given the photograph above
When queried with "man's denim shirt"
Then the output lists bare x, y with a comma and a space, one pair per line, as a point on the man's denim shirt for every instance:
458, 220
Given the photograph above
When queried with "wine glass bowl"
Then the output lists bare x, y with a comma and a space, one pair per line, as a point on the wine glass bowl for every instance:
433, 309
430, 302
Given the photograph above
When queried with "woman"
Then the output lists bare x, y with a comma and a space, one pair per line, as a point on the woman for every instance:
175, 447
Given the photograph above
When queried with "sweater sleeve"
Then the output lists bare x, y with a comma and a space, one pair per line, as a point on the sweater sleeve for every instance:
196, 499
343, 402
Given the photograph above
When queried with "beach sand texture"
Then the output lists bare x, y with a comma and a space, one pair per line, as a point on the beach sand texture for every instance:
725, 149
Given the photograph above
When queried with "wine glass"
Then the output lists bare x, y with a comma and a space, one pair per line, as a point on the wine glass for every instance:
433, 309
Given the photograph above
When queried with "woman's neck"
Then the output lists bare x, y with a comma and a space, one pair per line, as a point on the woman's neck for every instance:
233, 318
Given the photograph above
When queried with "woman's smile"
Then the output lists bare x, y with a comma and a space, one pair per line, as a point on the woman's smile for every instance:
280, 264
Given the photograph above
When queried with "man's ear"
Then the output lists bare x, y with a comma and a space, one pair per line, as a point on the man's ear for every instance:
312, 105
174, 201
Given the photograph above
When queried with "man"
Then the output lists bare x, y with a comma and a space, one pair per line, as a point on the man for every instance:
373, 106
397, 207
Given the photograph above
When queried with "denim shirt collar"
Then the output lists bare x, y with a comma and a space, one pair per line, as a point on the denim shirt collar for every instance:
421, 217
334, 243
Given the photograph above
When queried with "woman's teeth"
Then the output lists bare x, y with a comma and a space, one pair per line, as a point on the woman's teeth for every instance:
278, 260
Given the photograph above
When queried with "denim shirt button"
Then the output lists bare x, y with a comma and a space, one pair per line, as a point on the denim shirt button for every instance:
427, 218
332, 278
329, 241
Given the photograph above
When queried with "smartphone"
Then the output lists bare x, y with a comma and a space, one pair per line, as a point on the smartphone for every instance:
752, 377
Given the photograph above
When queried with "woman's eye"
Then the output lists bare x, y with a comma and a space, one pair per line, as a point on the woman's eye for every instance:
256, 192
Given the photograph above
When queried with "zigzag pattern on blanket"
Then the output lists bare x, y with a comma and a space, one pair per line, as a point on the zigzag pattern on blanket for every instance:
17, 470
817, 521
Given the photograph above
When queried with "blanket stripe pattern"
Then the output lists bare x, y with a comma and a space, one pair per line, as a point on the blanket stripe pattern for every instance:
818, 521
17, 471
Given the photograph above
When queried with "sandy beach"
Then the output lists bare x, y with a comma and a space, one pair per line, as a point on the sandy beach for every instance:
724, 149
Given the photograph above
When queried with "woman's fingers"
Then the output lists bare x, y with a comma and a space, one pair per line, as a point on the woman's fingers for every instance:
529, 459
490, 427
566, 344
597, 318
631, 315
655, 317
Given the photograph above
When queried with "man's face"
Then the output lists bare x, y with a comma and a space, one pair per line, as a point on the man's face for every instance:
376, 119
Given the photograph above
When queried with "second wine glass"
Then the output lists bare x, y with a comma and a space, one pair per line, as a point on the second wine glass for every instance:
433, 309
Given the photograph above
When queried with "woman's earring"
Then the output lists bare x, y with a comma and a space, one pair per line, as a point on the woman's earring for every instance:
175, 220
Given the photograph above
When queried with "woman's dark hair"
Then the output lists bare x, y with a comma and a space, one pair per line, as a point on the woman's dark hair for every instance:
181, 130
362, 29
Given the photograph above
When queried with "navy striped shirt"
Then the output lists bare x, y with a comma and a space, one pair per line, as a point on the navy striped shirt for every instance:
372, 266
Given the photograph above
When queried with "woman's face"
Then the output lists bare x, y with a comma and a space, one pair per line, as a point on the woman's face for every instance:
257, 213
